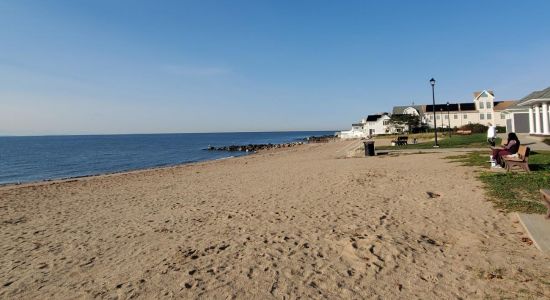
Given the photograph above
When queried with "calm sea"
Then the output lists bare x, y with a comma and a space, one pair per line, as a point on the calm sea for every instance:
26, 159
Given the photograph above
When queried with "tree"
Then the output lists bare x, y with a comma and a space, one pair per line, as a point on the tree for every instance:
402, 120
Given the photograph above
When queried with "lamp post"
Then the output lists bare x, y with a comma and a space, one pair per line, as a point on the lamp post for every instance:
432, 82
449, 119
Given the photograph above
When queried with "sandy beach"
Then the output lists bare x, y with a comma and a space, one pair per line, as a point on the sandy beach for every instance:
305, 222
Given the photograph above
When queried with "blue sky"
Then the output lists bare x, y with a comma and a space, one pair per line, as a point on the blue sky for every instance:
84, 67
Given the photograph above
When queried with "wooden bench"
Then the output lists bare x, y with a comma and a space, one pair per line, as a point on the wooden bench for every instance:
464, 132
545, 197
522, 159
401, 140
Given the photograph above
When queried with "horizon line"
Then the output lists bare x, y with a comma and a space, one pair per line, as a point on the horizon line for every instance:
159, 133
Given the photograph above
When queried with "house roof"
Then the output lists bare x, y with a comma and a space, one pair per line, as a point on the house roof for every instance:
372, 118
477, 94
502, 105
442, 107
357, 124
467, 106
519, 105
515, 107
398, 110
544, 94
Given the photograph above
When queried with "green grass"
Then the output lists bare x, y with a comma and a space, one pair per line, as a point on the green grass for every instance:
474, 159
513, 191
477, 140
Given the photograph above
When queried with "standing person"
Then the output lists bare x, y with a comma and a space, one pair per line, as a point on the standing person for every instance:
511, 147
491, 134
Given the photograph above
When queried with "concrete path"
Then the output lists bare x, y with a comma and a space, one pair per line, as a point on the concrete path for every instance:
538, 229
533, 142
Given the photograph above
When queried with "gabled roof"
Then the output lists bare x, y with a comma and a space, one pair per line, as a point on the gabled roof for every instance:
398, 110
477, 94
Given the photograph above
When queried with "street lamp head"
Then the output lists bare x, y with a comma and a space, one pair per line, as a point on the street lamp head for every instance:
432, 82
447, 103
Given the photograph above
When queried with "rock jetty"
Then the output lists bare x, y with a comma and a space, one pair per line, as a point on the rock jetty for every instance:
320, 139
253, 147
256, 147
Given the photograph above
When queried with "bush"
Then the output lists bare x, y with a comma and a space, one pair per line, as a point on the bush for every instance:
475, 128
501, 129
546, 141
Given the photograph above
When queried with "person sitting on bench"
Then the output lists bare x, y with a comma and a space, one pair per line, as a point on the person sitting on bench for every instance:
511, 147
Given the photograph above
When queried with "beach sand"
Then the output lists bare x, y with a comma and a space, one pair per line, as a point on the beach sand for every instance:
305, 222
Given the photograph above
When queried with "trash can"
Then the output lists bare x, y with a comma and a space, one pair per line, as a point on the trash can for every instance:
369, 148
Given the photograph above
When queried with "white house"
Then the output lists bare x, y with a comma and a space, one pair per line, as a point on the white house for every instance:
369, 126
415, 110
377, 124
517, 119
532, 112
356, 132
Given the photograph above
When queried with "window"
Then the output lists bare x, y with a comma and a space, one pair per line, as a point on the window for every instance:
456, 117
446, 117
502, 116
488, 104
481, 116
465, 116
386, 122
480, 104
438, 117
489, 116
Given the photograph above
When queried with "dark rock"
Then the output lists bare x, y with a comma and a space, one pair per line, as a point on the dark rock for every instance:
252, 147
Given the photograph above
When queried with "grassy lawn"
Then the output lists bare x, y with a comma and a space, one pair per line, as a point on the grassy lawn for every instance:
513, 191
477, 140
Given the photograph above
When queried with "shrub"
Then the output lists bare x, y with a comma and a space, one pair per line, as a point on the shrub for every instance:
546, 141
475, 128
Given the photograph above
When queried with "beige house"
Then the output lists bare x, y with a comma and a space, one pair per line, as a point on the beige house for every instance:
482, 110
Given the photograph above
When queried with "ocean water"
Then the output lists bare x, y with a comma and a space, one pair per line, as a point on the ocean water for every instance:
28, 159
